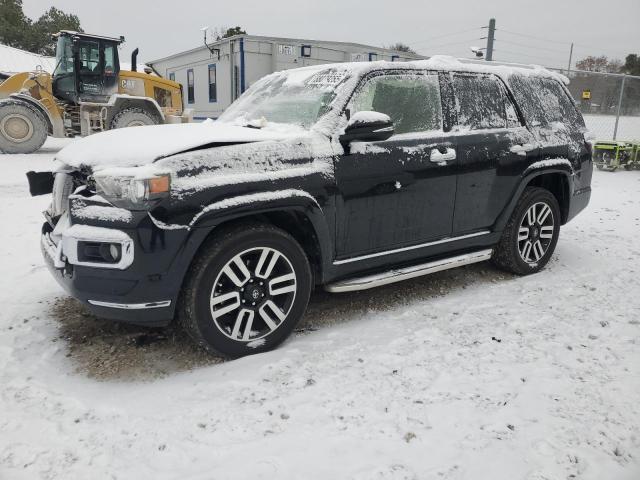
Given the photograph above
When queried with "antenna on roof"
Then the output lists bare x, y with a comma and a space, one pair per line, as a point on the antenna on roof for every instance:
213, 51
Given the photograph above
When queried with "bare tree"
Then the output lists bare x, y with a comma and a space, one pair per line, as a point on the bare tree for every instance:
224, 32
401, 47
601, 64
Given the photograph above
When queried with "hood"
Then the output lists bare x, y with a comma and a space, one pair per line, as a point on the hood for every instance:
135, 146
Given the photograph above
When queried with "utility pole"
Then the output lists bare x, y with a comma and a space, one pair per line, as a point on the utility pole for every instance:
570, 57
490, 38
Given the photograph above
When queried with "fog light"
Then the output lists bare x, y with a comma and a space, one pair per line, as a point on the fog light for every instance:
110, 252
114, 250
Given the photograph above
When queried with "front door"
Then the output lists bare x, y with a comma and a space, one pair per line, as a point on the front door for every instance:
89, 69
397, 192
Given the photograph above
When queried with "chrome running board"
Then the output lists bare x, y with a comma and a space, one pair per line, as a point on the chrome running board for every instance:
399, 274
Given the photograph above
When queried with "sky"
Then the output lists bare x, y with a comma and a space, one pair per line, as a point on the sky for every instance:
539, 31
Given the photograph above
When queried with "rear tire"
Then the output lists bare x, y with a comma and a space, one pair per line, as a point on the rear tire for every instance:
23, 129
246, 291
531, 234
133, 117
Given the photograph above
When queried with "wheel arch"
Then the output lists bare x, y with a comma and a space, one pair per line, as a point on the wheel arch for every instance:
55, 126
556, 179
118, 103
301, 217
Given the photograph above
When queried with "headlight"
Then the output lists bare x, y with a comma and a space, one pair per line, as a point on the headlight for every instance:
133, 192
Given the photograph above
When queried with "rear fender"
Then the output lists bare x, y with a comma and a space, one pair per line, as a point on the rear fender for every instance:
537, 169
119, 102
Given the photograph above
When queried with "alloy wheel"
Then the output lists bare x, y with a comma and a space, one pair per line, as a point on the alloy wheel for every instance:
253, 294
536, 232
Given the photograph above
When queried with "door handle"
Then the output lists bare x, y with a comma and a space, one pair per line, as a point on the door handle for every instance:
442, 157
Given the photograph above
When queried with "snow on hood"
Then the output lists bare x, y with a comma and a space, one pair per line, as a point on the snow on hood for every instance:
135, 146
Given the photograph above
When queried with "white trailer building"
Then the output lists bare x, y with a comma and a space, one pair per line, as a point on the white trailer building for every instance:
213, 76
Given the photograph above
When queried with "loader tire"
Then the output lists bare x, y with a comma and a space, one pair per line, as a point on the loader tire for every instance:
133, 117
23, 129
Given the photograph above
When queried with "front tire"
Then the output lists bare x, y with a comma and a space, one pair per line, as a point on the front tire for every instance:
246, 291
22, 128
133, 117
531, 234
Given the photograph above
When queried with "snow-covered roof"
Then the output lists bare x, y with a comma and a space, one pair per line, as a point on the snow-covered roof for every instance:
13, 60
436, 62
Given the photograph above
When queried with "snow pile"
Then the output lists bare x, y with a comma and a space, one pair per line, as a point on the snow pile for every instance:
13, 60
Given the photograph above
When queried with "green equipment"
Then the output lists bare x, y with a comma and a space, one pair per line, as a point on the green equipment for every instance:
614, 154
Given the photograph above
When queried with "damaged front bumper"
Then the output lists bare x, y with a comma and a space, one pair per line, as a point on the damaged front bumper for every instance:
142, 282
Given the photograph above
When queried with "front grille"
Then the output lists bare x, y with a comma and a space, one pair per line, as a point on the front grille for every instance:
63, 185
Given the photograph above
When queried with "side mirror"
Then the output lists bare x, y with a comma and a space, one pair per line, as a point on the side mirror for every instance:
367, 127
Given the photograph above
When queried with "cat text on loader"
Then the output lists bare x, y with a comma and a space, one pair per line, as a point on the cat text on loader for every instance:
87, 93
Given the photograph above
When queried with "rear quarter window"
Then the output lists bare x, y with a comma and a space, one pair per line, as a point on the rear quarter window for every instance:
544, 101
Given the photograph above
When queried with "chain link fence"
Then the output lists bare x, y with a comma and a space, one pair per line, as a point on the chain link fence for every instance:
610, 103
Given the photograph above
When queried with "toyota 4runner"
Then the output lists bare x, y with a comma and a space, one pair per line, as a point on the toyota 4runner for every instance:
345, 176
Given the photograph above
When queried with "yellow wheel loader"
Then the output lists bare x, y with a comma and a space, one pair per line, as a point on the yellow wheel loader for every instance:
87, 93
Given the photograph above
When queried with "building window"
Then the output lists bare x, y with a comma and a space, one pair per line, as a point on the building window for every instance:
213, 91
236, 82
190, 87
373, 57
172, 76
394, 58
305, 51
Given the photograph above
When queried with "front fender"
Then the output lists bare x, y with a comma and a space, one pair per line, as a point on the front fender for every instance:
292, 200
543, 167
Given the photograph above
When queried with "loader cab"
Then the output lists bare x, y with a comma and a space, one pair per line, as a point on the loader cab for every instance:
87, 67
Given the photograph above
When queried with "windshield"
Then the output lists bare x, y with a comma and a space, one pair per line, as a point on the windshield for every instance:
295, 97
64, 56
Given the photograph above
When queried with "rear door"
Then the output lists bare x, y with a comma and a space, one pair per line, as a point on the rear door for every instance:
391, 193
492, 146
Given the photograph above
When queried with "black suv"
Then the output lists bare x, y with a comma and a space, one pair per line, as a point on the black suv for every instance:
345, 176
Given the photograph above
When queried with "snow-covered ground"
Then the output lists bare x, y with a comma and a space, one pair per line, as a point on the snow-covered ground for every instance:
466, 374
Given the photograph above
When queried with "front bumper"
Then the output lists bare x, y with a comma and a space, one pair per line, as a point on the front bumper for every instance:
144, 290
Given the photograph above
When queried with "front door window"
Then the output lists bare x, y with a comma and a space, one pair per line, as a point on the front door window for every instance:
412, 101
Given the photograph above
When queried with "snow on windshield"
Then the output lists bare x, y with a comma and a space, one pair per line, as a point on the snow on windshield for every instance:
298, 97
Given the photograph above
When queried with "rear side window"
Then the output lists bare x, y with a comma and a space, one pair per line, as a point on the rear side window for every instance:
557, 105
480, 102
544, 101
412, 101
